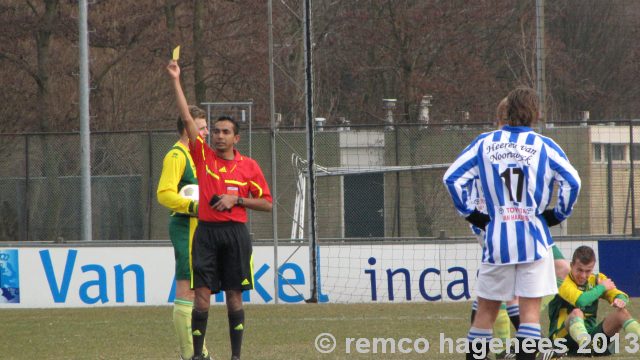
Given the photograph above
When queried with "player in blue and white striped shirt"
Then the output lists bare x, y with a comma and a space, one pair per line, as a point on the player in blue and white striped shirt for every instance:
517, 169
509, 312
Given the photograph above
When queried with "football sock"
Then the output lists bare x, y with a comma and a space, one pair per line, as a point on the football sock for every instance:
478, 351
514, 315
182, 323
528, 336
632, 326
198, 329
578, 331
502, 326
236, 329
474, 309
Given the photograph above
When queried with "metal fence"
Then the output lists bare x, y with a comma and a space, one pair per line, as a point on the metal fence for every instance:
371, 182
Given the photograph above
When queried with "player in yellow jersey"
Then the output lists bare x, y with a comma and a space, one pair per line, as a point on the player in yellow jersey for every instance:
178, 171
574, 310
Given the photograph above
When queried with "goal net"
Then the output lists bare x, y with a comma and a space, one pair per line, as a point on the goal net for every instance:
381, 229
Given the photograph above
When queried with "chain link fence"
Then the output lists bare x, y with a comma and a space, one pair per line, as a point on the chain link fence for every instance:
372, 182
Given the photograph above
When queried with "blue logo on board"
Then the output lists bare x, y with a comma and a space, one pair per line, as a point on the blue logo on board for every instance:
9, 276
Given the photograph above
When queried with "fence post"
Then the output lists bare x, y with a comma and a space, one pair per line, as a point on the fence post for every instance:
632, 182
150, 192
26, 185
608, 150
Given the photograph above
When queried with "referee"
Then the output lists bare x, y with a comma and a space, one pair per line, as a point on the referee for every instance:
517, 169
229, 183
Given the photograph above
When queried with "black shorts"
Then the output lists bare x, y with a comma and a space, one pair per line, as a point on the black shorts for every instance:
222, 257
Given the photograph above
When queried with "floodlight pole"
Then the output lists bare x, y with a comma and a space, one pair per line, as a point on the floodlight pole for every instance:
632, 157
85, 141
540, 63
308, 94
272, 115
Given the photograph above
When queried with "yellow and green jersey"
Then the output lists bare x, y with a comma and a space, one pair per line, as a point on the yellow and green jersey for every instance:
178, 170
584, 297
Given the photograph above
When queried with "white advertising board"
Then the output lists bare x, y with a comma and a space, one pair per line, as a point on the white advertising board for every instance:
125, 276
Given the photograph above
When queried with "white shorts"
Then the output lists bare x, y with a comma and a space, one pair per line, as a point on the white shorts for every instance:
504, 282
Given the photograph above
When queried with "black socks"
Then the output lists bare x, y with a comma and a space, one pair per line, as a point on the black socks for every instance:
198, 329
236, 330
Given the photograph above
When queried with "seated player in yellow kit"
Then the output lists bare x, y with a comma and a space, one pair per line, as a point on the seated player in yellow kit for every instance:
574, 310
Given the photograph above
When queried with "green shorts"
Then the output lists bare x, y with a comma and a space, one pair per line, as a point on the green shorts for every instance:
590, 351
181, 230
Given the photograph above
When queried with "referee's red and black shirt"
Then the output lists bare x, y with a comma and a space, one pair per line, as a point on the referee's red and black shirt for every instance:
216, 176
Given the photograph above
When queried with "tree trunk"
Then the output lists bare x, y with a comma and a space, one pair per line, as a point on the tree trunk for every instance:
49, 195
170, 15
424, 220
198, 56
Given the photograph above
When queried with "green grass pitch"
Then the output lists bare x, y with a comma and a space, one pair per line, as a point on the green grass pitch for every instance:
272, 331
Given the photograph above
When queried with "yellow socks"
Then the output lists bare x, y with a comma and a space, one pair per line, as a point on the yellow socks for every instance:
502, 326
182, 324
632, 326
578, 331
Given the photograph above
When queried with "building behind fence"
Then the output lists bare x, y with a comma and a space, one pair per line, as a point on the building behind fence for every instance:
40, 181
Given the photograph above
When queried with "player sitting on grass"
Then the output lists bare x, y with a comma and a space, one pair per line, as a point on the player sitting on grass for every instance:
573, 311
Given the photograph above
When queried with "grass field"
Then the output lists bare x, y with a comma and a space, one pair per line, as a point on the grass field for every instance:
272, 332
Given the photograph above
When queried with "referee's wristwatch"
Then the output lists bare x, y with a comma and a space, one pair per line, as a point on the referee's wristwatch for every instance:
240, 201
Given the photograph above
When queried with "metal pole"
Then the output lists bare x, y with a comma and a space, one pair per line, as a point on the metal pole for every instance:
26, 184
609, 189
398, 192
243, 120
308, 87
85, 141
274, 191
540, 66
250, 131
209, 123
150, 194
632, 177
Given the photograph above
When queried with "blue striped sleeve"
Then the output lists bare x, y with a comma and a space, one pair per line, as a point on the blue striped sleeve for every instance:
457, 182
569, 183
459, 175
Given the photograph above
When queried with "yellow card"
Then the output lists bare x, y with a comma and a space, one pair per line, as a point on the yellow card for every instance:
176, 53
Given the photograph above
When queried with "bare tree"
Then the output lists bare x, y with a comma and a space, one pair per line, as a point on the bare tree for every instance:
592, 62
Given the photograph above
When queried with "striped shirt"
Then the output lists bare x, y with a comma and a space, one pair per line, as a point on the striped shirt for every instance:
476, 200
517, 169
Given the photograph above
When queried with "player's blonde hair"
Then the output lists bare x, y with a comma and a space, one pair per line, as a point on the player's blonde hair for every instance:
501, 112
195, 112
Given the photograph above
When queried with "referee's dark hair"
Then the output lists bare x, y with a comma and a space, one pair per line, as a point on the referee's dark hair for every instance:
236, 125
584, 254
196, 113
522, 106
